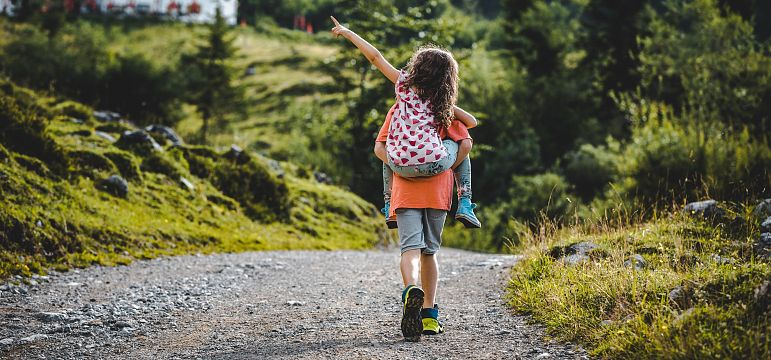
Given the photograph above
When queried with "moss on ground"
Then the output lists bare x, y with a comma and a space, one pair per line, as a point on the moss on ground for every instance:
52, 220
699, 296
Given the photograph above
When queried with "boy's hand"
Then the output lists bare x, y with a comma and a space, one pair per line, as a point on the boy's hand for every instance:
338, 29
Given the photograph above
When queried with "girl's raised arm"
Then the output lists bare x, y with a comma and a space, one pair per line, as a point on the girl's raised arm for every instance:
373, 55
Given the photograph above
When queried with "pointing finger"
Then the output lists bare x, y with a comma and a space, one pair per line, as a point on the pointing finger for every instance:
334, 21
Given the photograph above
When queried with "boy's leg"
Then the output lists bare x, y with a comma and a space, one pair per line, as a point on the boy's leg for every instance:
411, 243
433, 225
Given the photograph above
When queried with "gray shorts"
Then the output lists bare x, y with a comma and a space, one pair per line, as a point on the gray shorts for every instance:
420, 229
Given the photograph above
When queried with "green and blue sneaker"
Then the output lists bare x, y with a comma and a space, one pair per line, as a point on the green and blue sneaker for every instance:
412, 324
390, 221
465, 213
431, 324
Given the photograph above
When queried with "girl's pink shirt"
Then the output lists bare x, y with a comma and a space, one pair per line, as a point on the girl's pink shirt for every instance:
433, 192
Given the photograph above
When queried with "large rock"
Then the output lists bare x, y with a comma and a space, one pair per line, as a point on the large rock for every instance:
763, 209
707, 209
115, 185
575, 253
762, 246
165, 131
139, 141
680, 296
106, 116
765, 226
637, 261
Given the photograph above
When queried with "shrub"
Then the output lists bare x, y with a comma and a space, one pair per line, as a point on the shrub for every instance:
676, 159
74, 110
200, 160
591, 168
87, 161
545, 194
260, 193
25, 132
159, 163
126, 163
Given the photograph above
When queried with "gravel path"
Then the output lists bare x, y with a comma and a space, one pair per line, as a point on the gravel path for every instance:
289, 304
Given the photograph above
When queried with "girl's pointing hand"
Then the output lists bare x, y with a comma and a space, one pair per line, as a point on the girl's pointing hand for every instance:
338, 29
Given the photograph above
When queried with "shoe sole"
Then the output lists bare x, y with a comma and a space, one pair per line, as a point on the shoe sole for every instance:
412, 323
468, 222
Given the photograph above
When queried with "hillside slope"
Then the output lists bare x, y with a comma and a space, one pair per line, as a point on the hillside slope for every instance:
58, 209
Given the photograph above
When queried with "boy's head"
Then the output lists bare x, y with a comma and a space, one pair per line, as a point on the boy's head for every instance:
433, 73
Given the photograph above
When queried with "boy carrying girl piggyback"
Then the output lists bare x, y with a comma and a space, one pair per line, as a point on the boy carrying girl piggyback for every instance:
410, 144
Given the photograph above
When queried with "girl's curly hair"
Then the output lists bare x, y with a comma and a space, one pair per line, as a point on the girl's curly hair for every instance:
433, 73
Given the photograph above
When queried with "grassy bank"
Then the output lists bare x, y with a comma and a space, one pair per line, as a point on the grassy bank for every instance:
698, 291
55, 212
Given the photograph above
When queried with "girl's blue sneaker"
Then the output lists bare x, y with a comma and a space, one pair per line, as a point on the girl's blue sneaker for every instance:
465, 214
431, 324
390, 221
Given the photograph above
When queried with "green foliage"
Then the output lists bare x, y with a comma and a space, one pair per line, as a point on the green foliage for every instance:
210, 76
531, 195
75, 61
261, 194
86, 162
126, 163
707, 62
24, 131
59, 222
160, 163
74, 110
671, 159
591, 168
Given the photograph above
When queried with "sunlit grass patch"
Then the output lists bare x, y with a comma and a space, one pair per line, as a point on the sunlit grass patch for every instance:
697, 296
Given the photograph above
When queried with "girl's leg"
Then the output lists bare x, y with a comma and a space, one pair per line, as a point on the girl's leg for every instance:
463, 179
388, 176
430, 169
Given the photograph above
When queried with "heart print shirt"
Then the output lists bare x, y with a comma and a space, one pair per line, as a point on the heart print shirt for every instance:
413, 138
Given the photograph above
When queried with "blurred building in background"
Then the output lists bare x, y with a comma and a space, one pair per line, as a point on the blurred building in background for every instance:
195, 11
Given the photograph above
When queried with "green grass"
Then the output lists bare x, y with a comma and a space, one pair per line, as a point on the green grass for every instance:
65, 220
619, 312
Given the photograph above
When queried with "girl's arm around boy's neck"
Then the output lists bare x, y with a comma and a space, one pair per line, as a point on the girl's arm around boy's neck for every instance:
373, 55
467, 119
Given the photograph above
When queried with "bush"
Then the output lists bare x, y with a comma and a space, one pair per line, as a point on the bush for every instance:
677, 159
25, 132
87, 161
126, 163
260, 193
545, 194
74, 110
591, 168
159, 163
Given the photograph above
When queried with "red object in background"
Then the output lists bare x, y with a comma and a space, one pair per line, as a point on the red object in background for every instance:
301, 22
110, 5
194, 8
309, 29
132, 5
172, 6
69, 5
91, 4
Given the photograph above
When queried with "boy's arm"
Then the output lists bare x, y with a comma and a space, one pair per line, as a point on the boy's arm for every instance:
467, 119
373, 55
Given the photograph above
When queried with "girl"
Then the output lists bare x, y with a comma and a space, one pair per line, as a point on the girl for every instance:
409, 141
425, 102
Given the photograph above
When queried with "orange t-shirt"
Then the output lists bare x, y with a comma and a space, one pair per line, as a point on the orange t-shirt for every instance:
434, 192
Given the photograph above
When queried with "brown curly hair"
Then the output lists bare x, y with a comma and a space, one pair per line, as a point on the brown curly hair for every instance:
433, 73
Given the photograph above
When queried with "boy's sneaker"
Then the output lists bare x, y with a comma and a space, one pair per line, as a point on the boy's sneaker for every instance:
431, 326
465, 213
412, 324
390, 221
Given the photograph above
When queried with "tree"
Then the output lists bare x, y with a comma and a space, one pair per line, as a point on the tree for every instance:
211, 77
